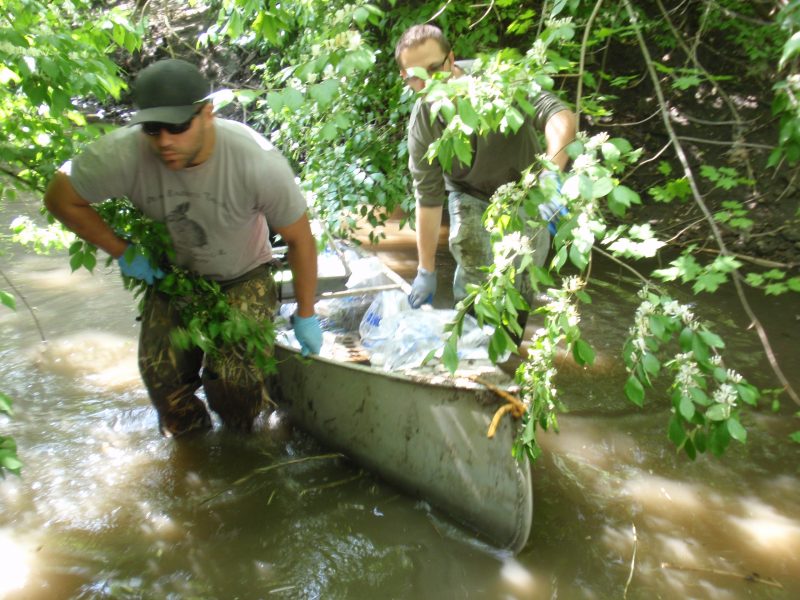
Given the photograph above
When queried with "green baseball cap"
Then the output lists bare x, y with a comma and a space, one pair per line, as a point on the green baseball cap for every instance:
168, 92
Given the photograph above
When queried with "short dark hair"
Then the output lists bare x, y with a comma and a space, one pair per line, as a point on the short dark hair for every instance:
419, 34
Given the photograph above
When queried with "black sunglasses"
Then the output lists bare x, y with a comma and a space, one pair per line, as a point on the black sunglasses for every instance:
153, 128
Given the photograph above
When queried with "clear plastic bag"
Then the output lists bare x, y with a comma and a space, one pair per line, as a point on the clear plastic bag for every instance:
398, 337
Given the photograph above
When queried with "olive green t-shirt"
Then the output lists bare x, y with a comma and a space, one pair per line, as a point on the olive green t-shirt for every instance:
218, 213
497, 158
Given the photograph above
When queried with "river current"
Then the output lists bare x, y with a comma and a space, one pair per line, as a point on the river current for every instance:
107, 508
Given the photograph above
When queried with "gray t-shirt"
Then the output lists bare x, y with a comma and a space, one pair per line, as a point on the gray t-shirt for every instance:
497, 158
218, 213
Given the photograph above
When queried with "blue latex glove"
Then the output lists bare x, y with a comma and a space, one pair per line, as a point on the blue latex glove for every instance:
552, 210
422, 288
138, 266
308, 333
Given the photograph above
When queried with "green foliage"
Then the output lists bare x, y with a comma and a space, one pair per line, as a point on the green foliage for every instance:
209, 321
704, 278
328, 91
327, 95
54, 56
786, 104
8, 447
706, 398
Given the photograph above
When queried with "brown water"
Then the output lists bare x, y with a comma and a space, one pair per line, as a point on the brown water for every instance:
106, 508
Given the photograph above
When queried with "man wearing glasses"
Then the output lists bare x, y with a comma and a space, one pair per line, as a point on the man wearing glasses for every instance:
220, 187
497, 159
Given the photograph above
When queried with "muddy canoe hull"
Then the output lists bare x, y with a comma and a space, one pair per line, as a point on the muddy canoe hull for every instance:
428, 440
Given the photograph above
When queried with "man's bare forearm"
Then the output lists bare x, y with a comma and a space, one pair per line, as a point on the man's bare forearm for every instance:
559, 132
78, 216
429, 221
302, 256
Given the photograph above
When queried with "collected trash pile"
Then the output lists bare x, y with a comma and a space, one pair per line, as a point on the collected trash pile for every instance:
394, 336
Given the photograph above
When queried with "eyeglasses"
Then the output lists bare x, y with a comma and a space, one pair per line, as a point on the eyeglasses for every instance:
153, 128
431, 69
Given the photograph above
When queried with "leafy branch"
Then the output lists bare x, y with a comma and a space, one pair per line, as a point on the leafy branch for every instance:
712, 224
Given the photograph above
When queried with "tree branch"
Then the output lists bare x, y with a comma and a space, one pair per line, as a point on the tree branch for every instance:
735, 276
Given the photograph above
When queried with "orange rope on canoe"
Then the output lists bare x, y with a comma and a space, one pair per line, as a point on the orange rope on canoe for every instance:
514, 406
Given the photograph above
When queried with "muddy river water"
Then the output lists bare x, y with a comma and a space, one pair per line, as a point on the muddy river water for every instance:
107, 508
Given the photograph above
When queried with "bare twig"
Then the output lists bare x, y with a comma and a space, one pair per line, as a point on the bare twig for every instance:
439, 12
717, 235
751, 577
28, 306
484, 15
270, 468
332, 484
627, 267
691, 54
635, 123
725, 142
761, 262
633, 562
585, 41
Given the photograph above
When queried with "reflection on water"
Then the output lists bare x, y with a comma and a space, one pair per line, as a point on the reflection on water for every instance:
108, 509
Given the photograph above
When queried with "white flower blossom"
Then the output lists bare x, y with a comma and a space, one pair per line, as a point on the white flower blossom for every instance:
676, 309
597, 140
725, 394
734, 376
584, 162
573, 284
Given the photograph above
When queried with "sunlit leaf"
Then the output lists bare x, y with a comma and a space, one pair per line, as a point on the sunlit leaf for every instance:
634, 391
736, 430
8, 300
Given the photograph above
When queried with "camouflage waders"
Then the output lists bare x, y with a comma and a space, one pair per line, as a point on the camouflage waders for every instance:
471, 247
234, 387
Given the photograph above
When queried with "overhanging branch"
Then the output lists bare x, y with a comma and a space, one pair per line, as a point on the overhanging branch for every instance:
698, 198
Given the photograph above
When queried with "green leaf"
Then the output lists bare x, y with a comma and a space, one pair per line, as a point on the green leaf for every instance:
699, 397
5, 404
690, 449
651, 364
578, 258
675, 432
450, 354
790, 49
625, 195
275, 101
610, 151
602, 187
463, 150
686, 408
10, 462
293, 99
748, 393
634, 391
736, 430
719, 439
360, 16
718, 412
76, 261
686, 339
8, 300
711, 339
700, 350
89, 261
795, 437
322, 93
468, 114
583, 353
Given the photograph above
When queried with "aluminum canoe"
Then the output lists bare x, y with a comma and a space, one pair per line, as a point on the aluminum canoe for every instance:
427, 437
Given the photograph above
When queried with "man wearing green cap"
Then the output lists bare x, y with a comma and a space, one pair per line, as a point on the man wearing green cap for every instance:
221, 188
